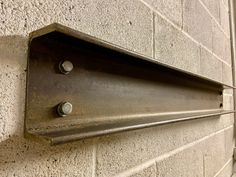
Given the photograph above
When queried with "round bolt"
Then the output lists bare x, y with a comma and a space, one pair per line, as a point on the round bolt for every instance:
64, 109
65, 67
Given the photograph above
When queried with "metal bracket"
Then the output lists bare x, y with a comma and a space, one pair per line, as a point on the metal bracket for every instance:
80, 87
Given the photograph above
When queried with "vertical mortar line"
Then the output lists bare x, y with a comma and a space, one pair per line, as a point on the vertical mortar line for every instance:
94, 159
153, 35
232, 19
166, 155
183, 32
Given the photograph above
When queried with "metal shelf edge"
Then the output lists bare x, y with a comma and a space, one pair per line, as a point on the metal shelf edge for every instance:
53, 139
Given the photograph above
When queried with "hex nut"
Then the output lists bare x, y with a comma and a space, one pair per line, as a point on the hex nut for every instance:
66, 66
64, 109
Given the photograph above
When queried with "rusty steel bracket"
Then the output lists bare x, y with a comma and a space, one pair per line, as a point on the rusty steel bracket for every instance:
80, 87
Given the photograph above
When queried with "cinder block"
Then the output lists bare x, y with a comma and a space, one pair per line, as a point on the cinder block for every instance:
228, 102
211, 67
214, 7
188, 162
229, 143
227, 171
227, 120
214, 154
125, 23
227, 51
19, 157
227, 74
221, 44
169, 8
147, 172
205, 158
12, 94
197, 22
224, 18
13, 55
174, 48
226, 4
120, 152
196, 129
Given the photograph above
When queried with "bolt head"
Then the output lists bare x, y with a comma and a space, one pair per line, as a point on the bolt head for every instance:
66, 66
64, 109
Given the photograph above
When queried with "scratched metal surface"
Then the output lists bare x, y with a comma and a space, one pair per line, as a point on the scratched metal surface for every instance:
110, 91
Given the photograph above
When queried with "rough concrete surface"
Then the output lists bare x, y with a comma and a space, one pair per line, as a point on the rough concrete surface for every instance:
209, 65
169, 8
214, 7
185, 36
221, 45
126, 23
174, 48
227, 74
195, 17
224, 17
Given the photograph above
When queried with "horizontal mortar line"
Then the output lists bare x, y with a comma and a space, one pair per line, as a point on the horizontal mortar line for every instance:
211, 52
136, 169
228, 65
161, 15
184, 32
166, 155
223, 167
214, 19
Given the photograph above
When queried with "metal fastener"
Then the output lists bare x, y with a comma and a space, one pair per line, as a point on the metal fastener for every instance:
64, 109
221, 105
65, 66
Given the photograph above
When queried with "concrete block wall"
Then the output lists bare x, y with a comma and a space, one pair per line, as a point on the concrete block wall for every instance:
190, 34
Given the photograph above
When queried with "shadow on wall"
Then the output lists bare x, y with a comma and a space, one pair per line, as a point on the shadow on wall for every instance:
18, 156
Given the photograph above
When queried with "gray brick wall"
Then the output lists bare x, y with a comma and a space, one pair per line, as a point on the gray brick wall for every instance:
189, 34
